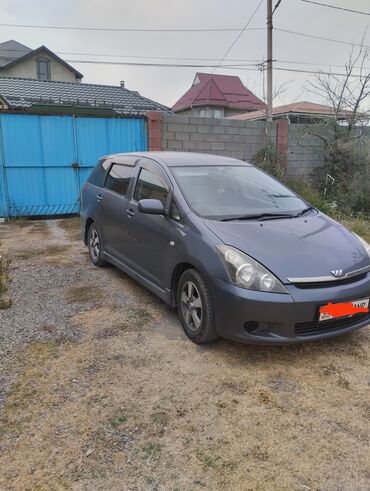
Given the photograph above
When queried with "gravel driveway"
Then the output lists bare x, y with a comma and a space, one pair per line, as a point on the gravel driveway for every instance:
100, 389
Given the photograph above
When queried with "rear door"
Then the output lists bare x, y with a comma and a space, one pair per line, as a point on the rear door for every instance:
148, 236
114, 201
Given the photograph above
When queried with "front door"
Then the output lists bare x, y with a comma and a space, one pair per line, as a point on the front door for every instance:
148, 235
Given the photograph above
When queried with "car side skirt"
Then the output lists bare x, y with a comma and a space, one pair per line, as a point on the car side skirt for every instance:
164, 295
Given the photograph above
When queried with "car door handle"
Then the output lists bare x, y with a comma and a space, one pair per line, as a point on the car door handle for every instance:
99, 197
130, 213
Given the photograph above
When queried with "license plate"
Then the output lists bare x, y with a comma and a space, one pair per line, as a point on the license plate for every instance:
345, 309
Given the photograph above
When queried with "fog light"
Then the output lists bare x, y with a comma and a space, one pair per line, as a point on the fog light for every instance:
251, 326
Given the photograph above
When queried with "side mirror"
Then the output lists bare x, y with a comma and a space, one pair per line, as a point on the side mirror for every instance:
151, 207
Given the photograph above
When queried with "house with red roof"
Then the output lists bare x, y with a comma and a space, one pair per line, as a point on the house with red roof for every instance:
217, 96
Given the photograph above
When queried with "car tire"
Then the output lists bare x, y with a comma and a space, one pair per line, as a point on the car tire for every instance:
194, 304
94, 245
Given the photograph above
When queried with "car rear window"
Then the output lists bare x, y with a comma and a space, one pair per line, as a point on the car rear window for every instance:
118, 178
97, 175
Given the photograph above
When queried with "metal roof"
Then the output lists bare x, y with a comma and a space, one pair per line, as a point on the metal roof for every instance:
218, 90
23, 94
11, 50
14, 53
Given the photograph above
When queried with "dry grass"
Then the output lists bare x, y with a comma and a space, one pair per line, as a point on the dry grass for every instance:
71, 226
83, 294
5, 302
47, 252
360, 226
135, 405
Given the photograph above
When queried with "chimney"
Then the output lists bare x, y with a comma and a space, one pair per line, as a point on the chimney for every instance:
122, 84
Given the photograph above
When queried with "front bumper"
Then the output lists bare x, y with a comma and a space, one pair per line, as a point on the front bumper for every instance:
273, 318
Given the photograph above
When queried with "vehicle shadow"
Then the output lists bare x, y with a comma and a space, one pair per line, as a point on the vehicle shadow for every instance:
237, 353
351, 344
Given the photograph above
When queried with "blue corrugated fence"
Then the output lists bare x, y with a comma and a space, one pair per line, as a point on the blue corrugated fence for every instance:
44, 160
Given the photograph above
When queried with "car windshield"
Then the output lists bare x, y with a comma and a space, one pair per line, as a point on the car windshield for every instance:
236, 192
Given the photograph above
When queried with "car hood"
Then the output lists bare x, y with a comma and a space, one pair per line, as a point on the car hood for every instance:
300, 247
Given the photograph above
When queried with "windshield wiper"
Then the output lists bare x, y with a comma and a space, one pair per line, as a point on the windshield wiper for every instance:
305, 210
261, 216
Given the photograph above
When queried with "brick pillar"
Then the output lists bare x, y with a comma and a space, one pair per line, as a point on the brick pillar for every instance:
282, 133
154, 120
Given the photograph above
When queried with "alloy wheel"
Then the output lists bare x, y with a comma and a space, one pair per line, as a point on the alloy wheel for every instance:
94, 244
191, 306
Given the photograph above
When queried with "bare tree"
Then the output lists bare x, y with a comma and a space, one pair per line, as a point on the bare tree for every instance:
346, 93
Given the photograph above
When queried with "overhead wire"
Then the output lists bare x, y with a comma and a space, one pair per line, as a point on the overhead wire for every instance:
244, 28
337, 7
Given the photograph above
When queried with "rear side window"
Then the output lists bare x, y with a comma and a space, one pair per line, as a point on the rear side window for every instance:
97, 175
149, 186
118, 178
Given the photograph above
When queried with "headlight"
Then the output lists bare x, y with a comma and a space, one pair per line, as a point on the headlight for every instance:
364, 243
248, 273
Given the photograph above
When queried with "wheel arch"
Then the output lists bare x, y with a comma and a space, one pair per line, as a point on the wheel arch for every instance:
179, 269
88, 224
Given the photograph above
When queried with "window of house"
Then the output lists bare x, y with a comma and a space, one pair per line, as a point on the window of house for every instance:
118, 179
149, 186
219, 113
43, 69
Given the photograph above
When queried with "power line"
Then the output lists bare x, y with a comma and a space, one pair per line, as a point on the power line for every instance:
336, 7
124, 29
235, 60
276, 6
224, 67
308, 63
315, 72
167, 65
229, 29
321, 38
239, 35
252, 62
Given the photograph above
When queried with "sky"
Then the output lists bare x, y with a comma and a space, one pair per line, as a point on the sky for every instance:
166, 84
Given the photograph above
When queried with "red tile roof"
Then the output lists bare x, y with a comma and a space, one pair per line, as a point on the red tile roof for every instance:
218, 90
303, 108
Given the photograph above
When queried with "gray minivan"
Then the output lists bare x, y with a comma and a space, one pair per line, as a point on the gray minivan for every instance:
238, 253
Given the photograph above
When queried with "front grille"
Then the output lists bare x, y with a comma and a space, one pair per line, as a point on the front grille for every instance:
327, 284
312, 328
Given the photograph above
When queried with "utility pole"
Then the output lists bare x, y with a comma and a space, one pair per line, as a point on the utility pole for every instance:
269, 63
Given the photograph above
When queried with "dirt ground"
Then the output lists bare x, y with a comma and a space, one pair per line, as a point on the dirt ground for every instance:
102, 390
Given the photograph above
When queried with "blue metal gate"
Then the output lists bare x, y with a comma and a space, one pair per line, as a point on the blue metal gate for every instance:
44, 160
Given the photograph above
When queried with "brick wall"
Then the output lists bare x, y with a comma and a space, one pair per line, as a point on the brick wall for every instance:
238, 139
306, 152
303, 153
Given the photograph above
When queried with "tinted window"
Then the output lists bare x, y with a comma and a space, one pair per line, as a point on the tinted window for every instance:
118, 178
230, 191
149, 186
97, 175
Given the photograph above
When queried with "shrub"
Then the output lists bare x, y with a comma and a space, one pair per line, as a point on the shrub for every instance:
269, 160
311, 193
347, 161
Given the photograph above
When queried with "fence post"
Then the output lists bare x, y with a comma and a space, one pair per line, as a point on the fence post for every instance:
282, 136
154, 119
4, 201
